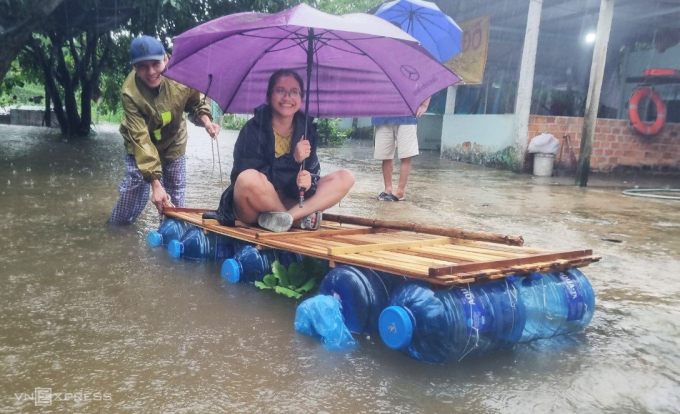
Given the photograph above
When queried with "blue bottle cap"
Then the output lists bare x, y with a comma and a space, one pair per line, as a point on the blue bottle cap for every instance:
396, 328
231, 271
154, 239
175, 248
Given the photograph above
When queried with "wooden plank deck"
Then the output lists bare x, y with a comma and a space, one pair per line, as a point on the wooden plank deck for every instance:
439, 255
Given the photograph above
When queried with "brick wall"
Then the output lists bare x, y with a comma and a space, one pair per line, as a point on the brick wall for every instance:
616, 145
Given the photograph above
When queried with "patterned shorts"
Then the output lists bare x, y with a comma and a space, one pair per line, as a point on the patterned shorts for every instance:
134, 190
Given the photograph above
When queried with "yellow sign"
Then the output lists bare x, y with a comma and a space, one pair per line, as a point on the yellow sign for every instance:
470, 63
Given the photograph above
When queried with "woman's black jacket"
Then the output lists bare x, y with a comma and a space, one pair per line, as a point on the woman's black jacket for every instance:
254, 149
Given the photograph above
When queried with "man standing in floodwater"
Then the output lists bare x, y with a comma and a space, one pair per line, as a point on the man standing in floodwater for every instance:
155, 134
398, 132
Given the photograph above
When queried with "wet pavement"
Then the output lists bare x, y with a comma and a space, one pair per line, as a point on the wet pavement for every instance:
92, 310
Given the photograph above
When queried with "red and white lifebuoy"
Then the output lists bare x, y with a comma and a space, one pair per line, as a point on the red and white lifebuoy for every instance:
634, 115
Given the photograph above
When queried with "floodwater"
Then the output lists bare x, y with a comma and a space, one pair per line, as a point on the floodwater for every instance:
89, 309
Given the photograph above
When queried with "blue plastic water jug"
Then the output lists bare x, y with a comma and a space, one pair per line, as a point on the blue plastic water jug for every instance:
448, 325
557, 303
250, 265
363, 294
169, 230
197, 245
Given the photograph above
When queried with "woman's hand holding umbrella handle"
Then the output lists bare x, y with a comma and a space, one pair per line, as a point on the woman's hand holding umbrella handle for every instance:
304, 180
302, 150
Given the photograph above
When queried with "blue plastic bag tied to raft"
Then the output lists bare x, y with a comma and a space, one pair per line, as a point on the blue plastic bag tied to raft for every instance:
321, 317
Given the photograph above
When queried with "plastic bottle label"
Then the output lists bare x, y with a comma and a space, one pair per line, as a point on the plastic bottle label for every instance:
477, 317
575, 300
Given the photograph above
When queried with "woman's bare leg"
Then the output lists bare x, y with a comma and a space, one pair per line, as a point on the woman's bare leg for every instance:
254, 194
330, 189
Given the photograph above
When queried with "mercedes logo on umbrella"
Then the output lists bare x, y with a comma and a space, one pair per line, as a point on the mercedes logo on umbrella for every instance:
409, 72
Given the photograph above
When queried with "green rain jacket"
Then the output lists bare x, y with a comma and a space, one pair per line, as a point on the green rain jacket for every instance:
154, 126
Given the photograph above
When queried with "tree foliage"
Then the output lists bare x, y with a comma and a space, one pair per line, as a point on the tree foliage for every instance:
347, 6
79, 47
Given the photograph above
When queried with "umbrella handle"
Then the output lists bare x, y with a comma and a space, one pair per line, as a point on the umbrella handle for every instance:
310, 62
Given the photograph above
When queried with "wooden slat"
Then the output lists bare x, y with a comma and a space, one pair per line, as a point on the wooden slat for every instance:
337, 251
455, 256
320, 233
421, 255
168, 210
421, 228
436, 271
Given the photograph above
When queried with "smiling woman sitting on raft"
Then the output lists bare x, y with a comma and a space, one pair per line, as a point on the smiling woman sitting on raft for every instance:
266, 176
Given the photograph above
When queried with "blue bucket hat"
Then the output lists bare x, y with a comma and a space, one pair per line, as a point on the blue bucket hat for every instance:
146, 48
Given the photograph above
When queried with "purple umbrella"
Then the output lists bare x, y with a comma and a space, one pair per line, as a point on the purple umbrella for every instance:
361, 64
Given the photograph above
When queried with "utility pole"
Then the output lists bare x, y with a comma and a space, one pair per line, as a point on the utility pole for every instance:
604, 25
525, 85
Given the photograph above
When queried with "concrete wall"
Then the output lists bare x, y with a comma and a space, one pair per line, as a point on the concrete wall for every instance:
30, 116
346, 123
616, 145
478, 139
430, 132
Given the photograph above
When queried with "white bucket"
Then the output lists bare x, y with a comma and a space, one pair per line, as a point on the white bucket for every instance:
543, 164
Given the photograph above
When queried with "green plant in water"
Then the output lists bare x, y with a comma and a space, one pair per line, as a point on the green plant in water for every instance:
231, 121
298, 279
329, 134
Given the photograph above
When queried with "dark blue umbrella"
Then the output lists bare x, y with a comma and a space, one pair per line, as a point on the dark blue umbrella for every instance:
423, 20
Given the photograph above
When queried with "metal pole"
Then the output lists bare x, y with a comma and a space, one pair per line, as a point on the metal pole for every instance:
525, 85
310, 62
604, 25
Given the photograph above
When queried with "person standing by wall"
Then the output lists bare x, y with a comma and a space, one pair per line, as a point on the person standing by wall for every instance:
155, 134
396, 132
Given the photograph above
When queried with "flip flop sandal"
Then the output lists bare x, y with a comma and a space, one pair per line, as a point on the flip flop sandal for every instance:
276, 221
387, 197
306, 222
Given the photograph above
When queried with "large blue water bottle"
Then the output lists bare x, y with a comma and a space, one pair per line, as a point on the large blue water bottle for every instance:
197, 245
171, 229
557, 303
444, 326
250, 265
362, 293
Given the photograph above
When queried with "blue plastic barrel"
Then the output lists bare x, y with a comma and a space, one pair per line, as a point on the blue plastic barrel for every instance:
448, 325
249, 265
197, 245
362, 293
171, 229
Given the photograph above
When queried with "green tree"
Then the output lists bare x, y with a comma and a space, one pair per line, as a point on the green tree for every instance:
347, 6
18, 20
82, 47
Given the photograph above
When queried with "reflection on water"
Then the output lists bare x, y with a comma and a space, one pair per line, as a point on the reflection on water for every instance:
87, 308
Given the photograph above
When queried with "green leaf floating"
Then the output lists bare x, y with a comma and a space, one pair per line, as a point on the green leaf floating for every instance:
270, 281
280, 273
298, 279
308, 286
287, 292
296, 274
261, 285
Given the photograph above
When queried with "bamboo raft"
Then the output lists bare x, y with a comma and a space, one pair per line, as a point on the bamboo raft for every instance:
439, 255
